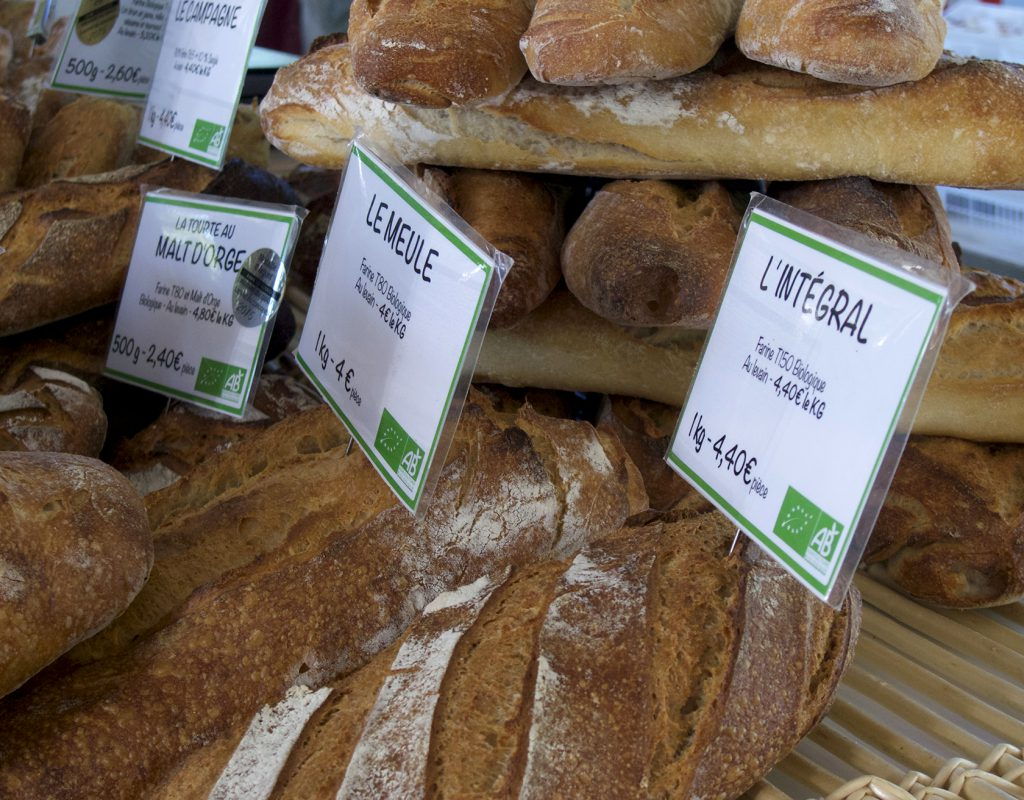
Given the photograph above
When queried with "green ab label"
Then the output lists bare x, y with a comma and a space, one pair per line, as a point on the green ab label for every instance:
220, 379
808, 530
206, 136
399, 451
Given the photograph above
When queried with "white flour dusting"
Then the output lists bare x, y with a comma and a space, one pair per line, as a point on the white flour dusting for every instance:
257, 761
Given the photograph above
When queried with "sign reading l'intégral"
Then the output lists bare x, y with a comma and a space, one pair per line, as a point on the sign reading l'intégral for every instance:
205, 282
199, 76
110, 48
813, 357
389, 339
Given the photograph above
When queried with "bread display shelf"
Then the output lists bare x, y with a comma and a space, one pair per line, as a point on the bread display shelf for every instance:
929, 694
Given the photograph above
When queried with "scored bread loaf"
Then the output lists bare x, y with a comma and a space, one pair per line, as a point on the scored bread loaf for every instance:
75, 550
240, 504
976, 390
653, 253
523, 218
82, 227
735, 120
645, 429
512, 490
15, 126
617, 673
951, 531
866, 42
85, 137
52, 411
186, 435
437, 54
590, 42
910, 218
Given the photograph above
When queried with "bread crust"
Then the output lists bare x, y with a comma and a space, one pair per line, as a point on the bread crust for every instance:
15, 125
523, 218
52, 411
593, 42
437, 53
951, 531
76, 549
739, 120
653, 253
865, 42
83, 227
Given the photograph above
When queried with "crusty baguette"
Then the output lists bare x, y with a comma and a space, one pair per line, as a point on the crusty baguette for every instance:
951, 531
866, 42
52, 411
617, 674
976, 390
590, 42
83, 227
15, 125
438, 53
653, 253
324, 603
75, 550
523, 218
742, 120
85, 137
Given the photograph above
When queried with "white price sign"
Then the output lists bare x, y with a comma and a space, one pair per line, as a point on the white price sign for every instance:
205, 281
803, 379
390, 328
199, 76
111, 48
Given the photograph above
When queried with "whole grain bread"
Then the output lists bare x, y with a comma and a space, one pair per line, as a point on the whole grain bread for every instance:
321, 605
82, 227
951, 531
591, 42
52, 411
522, 217
734, 119
437, 54
653, 253
75, 550
866, 42
617, 673
186, 435
88, 136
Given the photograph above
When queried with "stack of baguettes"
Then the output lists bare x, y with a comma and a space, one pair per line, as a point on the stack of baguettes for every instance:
849, 110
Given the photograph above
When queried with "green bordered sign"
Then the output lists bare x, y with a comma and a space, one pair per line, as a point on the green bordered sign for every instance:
389, 337
179, 330
199, 77
802, 383
110, 47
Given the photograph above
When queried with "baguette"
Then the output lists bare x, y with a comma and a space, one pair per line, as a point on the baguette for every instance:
75, 550
737, 120
614, 674
512, 490
652, 253
82, 227
866, 42
951, 531
437, 54
590, 42
976, 390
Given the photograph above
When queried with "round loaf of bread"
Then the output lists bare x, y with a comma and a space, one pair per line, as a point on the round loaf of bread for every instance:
652, 253
76, 548
865, 42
